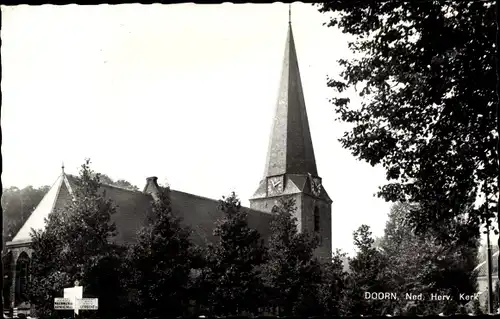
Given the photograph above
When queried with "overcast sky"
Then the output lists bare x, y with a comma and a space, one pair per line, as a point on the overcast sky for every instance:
183, 92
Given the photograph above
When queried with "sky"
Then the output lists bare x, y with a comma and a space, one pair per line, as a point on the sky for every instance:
182, 92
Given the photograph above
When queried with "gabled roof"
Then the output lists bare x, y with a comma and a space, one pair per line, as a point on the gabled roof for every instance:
133, 208
37, 218
290, 145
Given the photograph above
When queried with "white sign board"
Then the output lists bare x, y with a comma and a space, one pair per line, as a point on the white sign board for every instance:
63, 304
87, 304
74, 293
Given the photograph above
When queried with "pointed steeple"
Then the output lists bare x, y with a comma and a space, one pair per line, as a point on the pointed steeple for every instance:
290, 146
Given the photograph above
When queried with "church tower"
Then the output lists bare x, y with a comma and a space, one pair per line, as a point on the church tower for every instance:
290, 166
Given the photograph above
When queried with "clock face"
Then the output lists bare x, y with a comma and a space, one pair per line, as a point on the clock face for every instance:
274, 185
316, 186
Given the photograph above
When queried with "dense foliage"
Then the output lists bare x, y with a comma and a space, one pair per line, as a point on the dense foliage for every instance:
421, 265
426, 73
17, 206
369, 272
407, 263
291, 272
160, 264
163, 272
105, 179
231, 278
334, 291
76, 245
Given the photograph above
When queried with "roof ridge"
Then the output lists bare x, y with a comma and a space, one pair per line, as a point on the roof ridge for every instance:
122, 188
195, 195
215, 200
111, 185
43, 208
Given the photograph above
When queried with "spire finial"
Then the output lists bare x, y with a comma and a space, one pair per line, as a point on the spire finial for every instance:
290, 13
62, 167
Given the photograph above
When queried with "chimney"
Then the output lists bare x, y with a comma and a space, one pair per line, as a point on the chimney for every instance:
152, 187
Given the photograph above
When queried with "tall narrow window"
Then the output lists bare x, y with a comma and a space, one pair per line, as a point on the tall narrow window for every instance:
22, 276
316, 219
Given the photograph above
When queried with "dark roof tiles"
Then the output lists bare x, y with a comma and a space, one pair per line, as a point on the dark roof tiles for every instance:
203, 213
197, 212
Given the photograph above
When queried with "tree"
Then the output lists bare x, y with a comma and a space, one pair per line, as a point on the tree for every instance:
231, 278
161, 263
48, 277
426, 72
368, 274
76, 245
105, 179
496, 296
125, 184
291, 272
420, 264
333, 293
17, 205
476, 307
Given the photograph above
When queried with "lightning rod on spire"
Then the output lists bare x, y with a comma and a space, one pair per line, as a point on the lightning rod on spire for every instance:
290, 13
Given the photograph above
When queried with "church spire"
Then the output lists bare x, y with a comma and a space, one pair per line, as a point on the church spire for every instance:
290, 146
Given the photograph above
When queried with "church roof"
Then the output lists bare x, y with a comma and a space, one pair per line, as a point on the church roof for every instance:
37, 218
201, 213
133, 208
290, 146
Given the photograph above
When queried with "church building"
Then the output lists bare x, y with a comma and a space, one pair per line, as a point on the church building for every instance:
290, 171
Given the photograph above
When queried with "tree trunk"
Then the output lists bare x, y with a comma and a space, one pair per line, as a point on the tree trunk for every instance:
489, 267
497, 60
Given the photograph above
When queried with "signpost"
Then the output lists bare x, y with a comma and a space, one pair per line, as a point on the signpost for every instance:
73, 300
74, 293
87, 304
63, 304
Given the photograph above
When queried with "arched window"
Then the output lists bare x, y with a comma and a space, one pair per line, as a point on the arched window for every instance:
22, 276
316, 219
